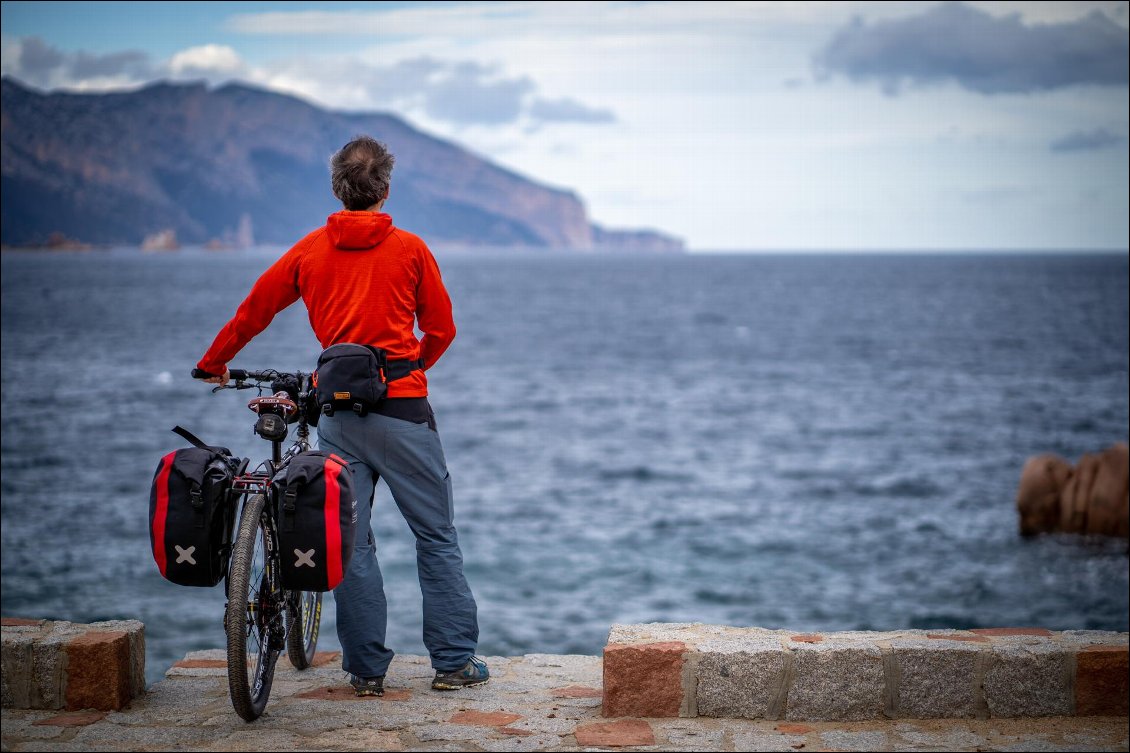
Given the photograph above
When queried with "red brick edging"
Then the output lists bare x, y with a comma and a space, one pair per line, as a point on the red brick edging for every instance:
65, 665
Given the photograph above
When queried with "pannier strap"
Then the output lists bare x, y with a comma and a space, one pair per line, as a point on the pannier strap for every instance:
402, 367
290, 497
195, 441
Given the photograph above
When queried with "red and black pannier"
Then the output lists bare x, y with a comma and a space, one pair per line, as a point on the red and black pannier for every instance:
190, 513
317, 519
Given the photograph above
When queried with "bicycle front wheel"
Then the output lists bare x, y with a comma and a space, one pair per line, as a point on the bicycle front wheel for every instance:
253, 620
305, 618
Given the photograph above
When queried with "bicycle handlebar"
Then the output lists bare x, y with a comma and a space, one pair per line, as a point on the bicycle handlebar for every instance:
243, 375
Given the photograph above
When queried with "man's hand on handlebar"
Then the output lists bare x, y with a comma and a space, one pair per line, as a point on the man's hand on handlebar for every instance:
241, 377
220, 380
212, 378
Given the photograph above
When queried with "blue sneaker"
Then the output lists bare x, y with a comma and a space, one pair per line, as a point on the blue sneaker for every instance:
474, 672
367, 687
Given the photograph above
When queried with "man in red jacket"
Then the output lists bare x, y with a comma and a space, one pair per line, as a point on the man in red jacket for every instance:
365, 281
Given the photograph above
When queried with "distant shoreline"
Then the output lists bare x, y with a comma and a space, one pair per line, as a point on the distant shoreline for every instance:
531, 252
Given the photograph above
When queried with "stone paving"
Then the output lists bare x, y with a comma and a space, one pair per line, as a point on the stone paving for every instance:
534, 702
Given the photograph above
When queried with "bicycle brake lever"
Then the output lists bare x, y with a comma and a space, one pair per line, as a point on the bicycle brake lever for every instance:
239, 385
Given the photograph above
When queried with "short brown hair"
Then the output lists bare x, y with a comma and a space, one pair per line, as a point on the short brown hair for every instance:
361, 172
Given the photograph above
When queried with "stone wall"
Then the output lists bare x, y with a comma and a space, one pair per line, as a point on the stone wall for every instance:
681, 669
55, 665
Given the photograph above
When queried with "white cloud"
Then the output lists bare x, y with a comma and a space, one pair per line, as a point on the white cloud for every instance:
209, 58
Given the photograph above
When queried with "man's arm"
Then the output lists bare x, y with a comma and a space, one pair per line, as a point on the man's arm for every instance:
433, 311
276, 289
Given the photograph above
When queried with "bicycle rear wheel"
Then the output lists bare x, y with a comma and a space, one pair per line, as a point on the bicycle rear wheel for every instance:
253, 620
304, 621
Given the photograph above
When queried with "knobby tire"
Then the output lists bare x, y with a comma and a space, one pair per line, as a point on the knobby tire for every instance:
302, 631
242, 621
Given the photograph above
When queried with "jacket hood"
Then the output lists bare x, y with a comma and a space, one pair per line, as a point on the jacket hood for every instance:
357, 231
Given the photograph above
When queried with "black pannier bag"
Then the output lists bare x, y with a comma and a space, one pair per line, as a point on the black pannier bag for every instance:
317, 518
190, 513
355, 377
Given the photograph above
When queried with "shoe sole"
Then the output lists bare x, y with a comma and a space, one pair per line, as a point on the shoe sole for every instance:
444, 686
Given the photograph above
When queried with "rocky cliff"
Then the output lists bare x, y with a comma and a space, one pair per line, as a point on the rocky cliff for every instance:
236, 162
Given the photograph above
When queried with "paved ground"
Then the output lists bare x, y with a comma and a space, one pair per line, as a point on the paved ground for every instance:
535, 702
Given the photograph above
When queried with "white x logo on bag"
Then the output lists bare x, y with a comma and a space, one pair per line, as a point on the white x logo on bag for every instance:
185, 555
304, 558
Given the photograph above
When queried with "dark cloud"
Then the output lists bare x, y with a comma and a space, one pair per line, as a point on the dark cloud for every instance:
38, 63
463, 92
1087, 141
37, 58
981, 52
569, 111
130, 63
468, 93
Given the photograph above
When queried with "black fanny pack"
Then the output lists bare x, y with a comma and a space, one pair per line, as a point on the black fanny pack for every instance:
355, 377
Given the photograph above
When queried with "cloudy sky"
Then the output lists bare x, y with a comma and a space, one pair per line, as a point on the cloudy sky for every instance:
806, 125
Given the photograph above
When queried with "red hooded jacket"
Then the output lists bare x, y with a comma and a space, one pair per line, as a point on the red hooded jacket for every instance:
363, 281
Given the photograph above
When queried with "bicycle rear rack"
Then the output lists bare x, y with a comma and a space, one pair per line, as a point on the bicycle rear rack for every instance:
251, 483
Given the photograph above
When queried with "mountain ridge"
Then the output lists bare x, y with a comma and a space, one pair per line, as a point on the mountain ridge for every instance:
220, 164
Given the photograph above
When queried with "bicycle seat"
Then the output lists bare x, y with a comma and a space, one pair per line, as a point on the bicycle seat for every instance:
273, 404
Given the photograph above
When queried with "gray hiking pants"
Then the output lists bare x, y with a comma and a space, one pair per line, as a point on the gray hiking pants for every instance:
409, 457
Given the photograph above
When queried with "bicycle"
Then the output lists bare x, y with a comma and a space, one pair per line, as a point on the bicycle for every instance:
261, 618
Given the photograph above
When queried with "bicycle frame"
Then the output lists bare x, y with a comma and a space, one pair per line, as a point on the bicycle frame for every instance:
258, 481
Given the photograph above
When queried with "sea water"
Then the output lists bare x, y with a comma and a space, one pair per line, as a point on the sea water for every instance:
811, 442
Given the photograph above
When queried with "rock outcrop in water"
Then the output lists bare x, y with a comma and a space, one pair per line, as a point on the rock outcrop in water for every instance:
116, 167
1091, 497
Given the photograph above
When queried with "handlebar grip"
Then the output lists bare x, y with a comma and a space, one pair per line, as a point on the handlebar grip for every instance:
236, 374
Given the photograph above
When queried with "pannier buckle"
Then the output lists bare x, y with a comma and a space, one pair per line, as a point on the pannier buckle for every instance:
197, 500
289, 498
360, 409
